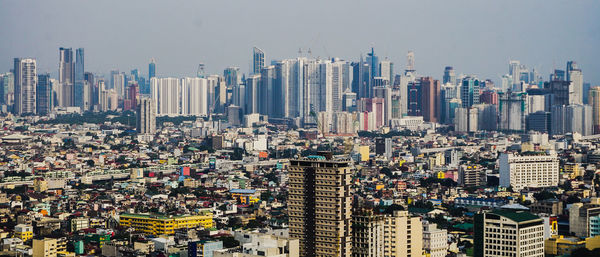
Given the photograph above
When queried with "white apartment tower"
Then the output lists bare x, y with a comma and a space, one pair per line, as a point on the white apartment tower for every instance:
534, 170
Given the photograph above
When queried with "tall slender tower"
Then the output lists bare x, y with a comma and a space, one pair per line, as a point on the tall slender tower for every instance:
79, 78
43, 94
594, 100
25, 83
152, 69
258, 60
319, 206
66, 75
146, 116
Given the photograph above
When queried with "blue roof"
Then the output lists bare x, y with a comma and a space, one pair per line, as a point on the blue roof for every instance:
318, 157
242, 191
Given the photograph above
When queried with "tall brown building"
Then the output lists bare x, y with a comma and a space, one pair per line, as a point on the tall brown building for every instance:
319, 206
430, 99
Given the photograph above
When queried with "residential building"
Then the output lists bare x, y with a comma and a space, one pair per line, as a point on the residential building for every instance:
532, 170
435, 240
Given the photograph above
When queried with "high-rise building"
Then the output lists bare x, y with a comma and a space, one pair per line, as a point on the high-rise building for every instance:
367, 233
78, 90
194, 97
562, 90
146, 116
66, 76
513, 110
575, 118
415, 98
435, 240
430, 99
319, 206
539, 121
151, 69
449, 75
404, 235
534, 171
265, 90
7, 89
514, 70
43, 94
594, 101
166, 93
258, 60
118, 82
580, 217
575, 77
469, 92
508, 233
252, 88
373, 61
25, 79
386, 70
232, 76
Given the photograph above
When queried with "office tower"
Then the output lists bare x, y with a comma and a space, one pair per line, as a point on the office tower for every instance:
361, 78
572, 119
232, 76
258, 60
94, 93
505, 232
563, 91
513, 110
79, 78
575, 77
43, 94
435, 240
469, 92
151, 69
536, 102
25, 79
410, 62
539, 121
373, 61
332, 85
533, 171
580, 217
415, 98
166, 93
283, 89
373, 108
252, 88
448, 92
66, 76
234, 115
386, 70
146, 116
194, 97
7, 89
118, 82
594, 101
506, 83
265, 92
319, 205
431, 99
449, 75
132, 96
514, 70
385, 93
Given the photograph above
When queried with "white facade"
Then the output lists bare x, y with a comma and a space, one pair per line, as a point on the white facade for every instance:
166, 92
194, 97
528, 171
25, 85
435, 241
503, 236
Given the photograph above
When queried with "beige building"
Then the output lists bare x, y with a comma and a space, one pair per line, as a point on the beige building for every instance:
403, 235
47, 247
579, 218
319, 206
534, 170
367, 233
435, 240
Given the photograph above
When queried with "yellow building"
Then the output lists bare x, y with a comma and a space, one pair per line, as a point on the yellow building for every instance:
244, 196
24, 232
592, 243
40, 185
157, 225
573, 170
559, 245
364, 153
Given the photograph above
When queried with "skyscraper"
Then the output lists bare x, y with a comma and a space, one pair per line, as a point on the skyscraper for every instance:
386, 70
514, 70
151, 69
251, 99
469, 92
146, 116
66, 76
232, 76
319, 205
25, 71
194, 97
594, 100
166, 93
449, 75
258, 60
265, 91
415, 99
79, 78
431, 99
575, 77
373, 61
43, 94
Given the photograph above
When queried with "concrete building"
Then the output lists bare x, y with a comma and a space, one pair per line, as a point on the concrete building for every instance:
435, 240
581, 217
275, 243
319, 203
508, 233
146, 116
367, 233
594, 102
47, 247
24, 232
203, 248
166, 92
536, 170
403, 235
25, 79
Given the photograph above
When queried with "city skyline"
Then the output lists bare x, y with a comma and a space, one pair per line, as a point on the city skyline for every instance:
444, 41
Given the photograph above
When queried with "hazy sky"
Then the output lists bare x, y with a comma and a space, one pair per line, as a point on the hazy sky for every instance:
475, 36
